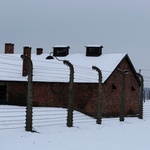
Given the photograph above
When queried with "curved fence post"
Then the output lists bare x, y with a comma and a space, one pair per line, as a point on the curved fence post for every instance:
141, 96
122, 99
28, 126
70, 97
99, 106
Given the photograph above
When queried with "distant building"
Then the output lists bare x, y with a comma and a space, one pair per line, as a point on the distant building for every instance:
51, 77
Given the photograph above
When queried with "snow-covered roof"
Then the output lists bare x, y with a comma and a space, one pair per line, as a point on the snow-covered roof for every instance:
61, 46
93, 46
52, 70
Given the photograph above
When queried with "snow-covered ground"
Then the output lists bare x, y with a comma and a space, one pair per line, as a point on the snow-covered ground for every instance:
52, 133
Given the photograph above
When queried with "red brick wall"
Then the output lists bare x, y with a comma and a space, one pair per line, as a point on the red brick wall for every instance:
56, 95
26, 52
85, 95
50, 94
85, 98
16, 93
9, 48
111, 97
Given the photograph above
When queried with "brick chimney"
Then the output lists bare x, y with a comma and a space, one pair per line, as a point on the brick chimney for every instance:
39, 51
9, 48
26, 52
94, 50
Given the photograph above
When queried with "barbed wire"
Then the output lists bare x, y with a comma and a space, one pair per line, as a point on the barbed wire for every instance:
41, 117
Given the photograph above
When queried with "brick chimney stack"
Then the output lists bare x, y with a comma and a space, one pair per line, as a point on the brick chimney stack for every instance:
9, 48
26, 52
39, 51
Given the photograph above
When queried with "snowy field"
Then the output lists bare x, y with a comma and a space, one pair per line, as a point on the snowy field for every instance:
52, 133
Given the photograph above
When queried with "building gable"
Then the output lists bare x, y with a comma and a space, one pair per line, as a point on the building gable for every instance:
129, 68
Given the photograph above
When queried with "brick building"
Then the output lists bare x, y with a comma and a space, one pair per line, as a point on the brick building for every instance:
51, 80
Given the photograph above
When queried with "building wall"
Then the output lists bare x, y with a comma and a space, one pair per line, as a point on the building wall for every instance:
16, 93
50, 94
112, 90
85, 95
56, 95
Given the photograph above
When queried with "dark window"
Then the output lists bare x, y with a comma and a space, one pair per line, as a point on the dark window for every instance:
132, 88
3, 94
114, 87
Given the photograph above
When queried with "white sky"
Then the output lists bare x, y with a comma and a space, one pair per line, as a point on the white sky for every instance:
118, 25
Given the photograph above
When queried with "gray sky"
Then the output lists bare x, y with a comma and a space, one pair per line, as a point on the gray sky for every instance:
118, 25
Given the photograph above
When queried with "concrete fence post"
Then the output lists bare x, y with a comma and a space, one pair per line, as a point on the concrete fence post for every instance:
70, 96
28, 126
99, 106
122, 99
141, 96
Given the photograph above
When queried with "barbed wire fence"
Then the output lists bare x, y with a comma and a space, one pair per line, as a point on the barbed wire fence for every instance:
15, 117
12, 117
146, 110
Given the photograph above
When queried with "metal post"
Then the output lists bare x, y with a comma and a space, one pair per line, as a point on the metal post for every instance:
99, 106
141, 96
29, 94
70, 97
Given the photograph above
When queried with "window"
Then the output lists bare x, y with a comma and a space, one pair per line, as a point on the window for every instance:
114, 87
132, 88
3, 94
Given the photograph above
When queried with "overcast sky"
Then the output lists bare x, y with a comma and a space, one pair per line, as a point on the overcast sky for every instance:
118, 25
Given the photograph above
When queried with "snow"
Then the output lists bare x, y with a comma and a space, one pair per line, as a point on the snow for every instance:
133, 133
93, 46
55, 71
64, 46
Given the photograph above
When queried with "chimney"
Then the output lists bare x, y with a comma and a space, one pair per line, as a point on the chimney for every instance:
39, 51
26, 52
61, 50
93, 50
9, 48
